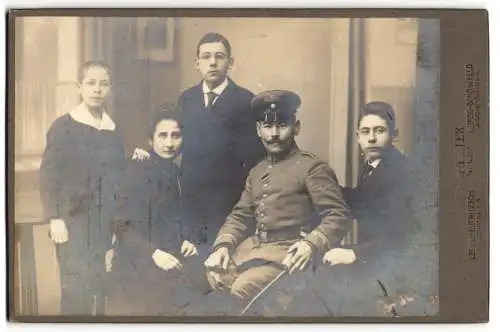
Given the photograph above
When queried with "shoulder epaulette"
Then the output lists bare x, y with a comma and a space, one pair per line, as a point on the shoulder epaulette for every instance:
309, 154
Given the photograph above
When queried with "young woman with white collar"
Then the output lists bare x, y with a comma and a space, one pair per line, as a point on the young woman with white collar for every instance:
79, 174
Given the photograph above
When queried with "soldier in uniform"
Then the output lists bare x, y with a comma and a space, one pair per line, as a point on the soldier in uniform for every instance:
290, 210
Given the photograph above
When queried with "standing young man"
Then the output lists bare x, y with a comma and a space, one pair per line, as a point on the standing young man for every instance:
220, 142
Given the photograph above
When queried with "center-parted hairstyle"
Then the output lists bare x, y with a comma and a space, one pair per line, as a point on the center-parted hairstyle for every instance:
382, 110
167, 111
213, 37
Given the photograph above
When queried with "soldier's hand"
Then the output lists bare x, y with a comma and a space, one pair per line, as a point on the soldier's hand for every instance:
188, 249
215, 280
166, 261
140, 155
218, 259
298, 256
58, 231
108, 260
339, 256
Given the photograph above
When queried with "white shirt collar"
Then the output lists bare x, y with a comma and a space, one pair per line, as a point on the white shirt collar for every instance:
374, 163
218, 90
81, 114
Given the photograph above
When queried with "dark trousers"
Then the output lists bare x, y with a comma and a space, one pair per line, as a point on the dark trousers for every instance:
375, 289
348, 291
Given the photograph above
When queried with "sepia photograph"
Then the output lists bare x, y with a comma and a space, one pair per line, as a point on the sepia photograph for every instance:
180, 166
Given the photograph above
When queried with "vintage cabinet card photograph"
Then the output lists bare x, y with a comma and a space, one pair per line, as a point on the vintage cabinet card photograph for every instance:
195, 165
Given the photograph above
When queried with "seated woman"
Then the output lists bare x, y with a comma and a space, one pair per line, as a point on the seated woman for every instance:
149, 254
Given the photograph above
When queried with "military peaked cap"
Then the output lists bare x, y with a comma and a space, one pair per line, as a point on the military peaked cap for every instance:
275, 105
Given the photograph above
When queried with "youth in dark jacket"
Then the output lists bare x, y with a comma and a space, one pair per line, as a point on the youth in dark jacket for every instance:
221, 143
385, 205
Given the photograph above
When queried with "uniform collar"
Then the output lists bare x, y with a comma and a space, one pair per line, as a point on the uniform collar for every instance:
218, 90
82, 114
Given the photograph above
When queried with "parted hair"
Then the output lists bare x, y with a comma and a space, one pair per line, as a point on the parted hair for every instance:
167, 111
214, 37
381, 109
92, 64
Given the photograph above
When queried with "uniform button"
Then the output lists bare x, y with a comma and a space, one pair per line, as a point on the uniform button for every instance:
261, 204
264, 196
265, 185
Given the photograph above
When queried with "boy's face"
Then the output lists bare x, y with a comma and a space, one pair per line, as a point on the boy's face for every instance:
94, 87
167, 139
213, 62
374, 136
278, 136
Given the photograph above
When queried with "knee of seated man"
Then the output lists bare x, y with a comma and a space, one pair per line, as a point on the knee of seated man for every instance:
243, 288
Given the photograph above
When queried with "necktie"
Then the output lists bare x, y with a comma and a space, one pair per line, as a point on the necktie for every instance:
367, 168
211, 97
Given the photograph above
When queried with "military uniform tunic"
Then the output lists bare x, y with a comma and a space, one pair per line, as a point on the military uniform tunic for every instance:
286, 199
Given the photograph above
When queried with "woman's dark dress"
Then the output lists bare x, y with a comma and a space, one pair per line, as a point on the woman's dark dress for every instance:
147, 219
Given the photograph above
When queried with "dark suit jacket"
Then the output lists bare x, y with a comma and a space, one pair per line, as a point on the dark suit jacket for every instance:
388, 208
384, 205
220, 146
